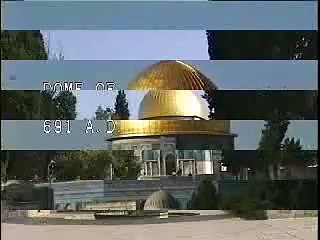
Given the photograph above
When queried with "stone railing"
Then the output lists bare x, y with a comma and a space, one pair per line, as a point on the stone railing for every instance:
125, 205
291, 213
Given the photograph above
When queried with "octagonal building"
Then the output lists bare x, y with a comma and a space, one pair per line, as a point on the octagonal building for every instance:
172, 135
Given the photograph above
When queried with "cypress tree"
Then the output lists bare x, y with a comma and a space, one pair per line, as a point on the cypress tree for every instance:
121, 106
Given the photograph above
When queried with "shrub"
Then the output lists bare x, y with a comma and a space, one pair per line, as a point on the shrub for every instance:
245, 207
250, 203
19, 192
276, 195
206, 197
292, 194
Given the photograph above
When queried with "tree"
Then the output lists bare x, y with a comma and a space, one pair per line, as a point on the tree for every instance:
69, 165
98, 164
293, 155
31, 105
262, 45
65, 106
83, 164
27, 45
60, 106
25, 165
271, 142
99, 113
205, 198
121, 106
125, 164
4, 167
103, 114
210, 97
296, 104
47, 108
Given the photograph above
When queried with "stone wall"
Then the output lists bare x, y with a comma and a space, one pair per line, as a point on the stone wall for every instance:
78, 194
77, 191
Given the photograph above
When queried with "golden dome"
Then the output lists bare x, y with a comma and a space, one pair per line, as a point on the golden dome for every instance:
172, 103
142, 128
171, 84
171, 75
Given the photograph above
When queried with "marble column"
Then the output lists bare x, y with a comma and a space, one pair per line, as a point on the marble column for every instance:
164, 167
150, 164
191, 164
159, 167
145, 168
182, 168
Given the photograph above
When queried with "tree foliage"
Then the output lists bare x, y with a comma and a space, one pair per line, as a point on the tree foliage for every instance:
103, 114
270, 144
120, 111
206, 197
121, 106
126, 164
294, 104
70, 165
65, 106
292, 153
26, 45
262, 45
31, 105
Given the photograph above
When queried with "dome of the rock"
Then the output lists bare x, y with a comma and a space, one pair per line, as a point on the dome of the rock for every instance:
173, 118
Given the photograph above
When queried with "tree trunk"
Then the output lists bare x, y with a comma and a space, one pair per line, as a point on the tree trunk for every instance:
4, 167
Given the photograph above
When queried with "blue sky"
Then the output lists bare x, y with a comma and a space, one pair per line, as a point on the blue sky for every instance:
129, 45
164, 45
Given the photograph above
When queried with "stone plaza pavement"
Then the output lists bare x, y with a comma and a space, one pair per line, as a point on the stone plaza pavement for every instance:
226, 229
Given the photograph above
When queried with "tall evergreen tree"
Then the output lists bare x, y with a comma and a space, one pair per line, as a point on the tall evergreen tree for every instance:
121, 106
271, 143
